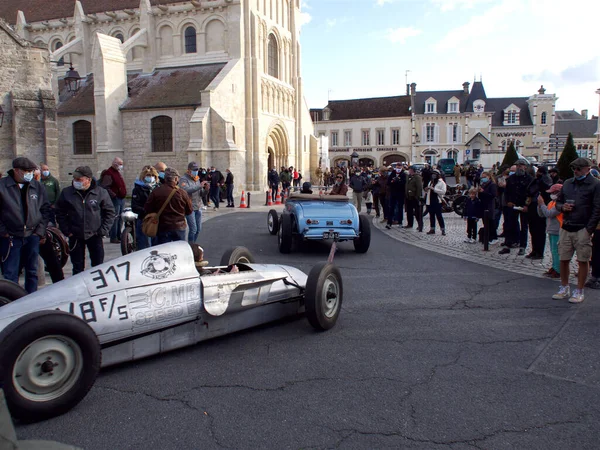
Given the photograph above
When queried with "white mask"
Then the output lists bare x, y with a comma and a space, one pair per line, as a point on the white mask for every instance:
553, 196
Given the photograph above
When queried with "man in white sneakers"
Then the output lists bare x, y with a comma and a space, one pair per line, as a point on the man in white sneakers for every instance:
579, 201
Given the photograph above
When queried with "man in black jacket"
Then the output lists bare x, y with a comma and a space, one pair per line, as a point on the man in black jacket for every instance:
25, 215
85, 213
579, 201
515, 219
396, 191
216, 181
229, 187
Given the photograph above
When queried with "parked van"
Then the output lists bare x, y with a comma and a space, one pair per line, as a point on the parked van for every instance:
446, 165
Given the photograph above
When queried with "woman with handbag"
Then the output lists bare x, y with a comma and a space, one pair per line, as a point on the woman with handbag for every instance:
166, 210
435, 192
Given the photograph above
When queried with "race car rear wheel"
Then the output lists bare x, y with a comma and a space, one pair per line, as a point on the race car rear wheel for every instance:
273, 222
236, 255
49, 362
363, 241
9, 292
284, 236
323, 296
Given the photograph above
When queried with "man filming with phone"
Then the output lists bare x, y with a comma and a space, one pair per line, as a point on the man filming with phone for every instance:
579, 201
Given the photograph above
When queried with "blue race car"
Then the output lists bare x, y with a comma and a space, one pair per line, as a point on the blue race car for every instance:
319, 217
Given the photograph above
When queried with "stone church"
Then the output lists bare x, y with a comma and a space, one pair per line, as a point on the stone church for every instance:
212, 81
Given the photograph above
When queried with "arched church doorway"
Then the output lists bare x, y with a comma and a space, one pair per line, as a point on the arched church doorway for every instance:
278, 147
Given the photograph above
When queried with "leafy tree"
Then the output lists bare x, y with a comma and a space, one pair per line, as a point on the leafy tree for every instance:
510, 157
568, 155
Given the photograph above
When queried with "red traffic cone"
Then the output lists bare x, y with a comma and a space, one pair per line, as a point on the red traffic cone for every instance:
278, 199
243, 200
269, 198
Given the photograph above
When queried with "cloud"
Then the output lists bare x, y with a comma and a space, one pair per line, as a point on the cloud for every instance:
334, 22
304, 19
479, 26
449, 5
586, 72
382, 2
400, 35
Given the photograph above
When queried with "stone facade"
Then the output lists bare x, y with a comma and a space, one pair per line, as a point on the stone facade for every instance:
29, 126
248, 117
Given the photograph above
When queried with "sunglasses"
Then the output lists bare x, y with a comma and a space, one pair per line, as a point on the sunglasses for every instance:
339, 178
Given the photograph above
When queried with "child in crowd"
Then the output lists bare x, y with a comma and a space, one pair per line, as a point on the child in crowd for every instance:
369, 201
471, 214
553, 224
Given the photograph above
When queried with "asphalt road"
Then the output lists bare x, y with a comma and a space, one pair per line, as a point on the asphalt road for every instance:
429, 352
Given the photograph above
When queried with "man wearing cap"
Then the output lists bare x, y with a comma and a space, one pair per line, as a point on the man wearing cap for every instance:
85, 213
190, 183
112, 180
515, 216
171, 223
579, 201
553, 172
25, 214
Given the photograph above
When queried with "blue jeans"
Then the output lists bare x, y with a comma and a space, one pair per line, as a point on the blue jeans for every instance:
396, 207
142, 240
115, 231
171, 236
230, 194
25, 250
215, 195
194, 221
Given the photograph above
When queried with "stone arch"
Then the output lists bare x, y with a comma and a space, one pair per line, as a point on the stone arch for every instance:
209, 19
366, 161
215, 35
278, 141
115, 31
340, 160
165, 34
188, 22
387, 158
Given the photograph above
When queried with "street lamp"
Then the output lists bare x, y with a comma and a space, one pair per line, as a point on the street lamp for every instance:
1, 116
72, 79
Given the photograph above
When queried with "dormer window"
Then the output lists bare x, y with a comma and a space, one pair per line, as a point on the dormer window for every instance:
511, 115
326, 113
453, 105
430, 106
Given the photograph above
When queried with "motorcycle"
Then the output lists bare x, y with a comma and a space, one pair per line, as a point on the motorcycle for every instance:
455, 199
128, 236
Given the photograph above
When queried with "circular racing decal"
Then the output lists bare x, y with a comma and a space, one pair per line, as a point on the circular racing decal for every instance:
159, 265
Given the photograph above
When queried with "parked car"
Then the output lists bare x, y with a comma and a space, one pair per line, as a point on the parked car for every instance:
54, 341
319, 217
446, 165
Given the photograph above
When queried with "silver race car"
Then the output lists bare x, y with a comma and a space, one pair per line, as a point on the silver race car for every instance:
53, 342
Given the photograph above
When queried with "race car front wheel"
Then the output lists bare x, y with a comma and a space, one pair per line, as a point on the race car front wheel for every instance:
323, 296
236, 255
49, 362
273, 222
9, 292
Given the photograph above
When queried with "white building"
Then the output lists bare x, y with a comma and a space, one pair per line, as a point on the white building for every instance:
212, 81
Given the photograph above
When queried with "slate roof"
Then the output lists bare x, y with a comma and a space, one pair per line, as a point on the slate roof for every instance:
442, 98
366, 108
582, 129
477, 93
170, 88
39, 10
568, 115
498, 105
164, 88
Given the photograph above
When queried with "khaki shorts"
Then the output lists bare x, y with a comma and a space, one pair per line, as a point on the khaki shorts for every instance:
570, 242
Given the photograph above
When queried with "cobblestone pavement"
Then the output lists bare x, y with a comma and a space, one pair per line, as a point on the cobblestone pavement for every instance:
453, 245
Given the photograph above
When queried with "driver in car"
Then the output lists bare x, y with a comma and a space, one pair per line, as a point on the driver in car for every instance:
306, 188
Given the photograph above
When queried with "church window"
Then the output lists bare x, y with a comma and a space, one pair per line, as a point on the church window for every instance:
120, 37
544, 118
162, 134
61, 61
190, 40
82, 138
273, 63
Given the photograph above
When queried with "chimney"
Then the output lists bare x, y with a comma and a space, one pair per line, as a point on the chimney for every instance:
413, 88
584, 113
407, 89
466, 85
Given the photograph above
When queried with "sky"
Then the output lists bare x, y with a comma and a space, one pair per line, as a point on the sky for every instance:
363, 48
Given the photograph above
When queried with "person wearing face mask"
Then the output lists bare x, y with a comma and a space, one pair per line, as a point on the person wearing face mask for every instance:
112, 180
339, 187
85, 214
433, 199
142, 188
190, 183
488, 193
579, 201
357, 183
553, 222
52, 188
25, 215
160, 168
515, 215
